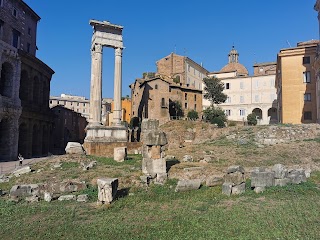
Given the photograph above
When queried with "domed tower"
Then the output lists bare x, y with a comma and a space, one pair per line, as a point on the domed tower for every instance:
234, 64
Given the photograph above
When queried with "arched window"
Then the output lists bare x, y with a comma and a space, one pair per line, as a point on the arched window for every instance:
156, 86
163, 102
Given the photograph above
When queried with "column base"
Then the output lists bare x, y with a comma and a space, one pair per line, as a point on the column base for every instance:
102, 133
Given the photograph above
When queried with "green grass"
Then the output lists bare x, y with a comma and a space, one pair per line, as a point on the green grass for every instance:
159, 212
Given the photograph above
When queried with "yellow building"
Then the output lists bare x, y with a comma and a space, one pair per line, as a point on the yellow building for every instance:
296, 83
126, 111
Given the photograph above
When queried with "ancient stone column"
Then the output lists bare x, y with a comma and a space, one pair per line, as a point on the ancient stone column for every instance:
96, 85
117, 87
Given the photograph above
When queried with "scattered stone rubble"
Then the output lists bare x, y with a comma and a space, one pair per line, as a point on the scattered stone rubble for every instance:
234, 181
153, 162
187, 185
88, 166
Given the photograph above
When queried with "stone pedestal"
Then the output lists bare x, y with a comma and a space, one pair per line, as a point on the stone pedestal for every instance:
107, 190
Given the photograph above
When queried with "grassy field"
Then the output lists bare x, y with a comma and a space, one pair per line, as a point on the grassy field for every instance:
158, 212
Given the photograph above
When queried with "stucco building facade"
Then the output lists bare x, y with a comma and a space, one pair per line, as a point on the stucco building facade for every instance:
297, 83
25, 118
247, 94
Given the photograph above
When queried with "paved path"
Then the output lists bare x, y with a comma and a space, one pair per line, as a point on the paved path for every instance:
7, 167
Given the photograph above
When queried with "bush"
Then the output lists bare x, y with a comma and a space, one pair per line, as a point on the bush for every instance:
193, 115
215, 115
252, 119
134, 122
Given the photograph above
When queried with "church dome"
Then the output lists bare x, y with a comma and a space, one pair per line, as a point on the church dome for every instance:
234, 64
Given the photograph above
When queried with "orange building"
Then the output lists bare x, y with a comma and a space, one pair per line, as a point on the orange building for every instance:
296, 83
126, 111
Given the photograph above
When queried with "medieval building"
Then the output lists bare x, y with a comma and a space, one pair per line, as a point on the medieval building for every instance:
158, 97
25, 118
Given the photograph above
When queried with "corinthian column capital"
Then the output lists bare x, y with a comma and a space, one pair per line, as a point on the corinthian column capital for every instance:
118, 52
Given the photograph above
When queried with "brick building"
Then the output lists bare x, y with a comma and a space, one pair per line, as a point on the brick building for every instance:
154, 98
69, 126
25, 117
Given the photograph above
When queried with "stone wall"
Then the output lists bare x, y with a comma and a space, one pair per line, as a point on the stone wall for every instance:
107, 149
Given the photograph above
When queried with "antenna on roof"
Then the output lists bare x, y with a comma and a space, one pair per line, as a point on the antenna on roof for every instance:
288, 43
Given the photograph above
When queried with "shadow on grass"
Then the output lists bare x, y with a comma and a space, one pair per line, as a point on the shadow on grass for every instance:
122, 193
171, 163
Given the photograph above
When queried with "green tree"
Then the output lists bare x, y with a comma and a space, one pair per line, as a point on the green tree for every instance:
252, 119
175, 109
193, 115
215, 115
214, 90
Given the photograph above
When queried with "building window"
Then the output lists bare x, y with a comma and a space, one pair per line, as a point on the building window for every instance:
84, 104
163, 102
15, 38
28, 47
1, 3
71, 103
50, 101
242, 112
306, 60
242, 99
228, 112
84, 110
227, 85
14, 12
1, 27
77, 104
195, 107
307, 115
169, 89
188, 68
306, 77
185, 105
256, 98
29, 31
185, 96
156, 86
257, 84
241, 85
228, 100
195, 98
307, 97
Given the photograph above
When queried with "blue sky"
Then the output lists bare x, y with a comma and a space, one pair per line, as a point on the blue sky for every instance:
204, 30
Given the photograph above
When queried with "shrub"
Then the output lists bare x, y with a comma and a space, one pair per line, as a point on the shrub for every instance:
232, 124
252, 119
215, 115
193, 115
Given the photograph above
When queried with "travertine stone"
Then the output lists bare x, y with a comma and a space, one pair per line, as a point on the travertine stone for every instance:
74, 148
187, 185
226, 189
213, 181
24, 190
120, 154
239, 189
262, 179
47, 197
67, 198
281, 182
280, 171
21, 171
107, 189
233, 169
82, 198
234, 178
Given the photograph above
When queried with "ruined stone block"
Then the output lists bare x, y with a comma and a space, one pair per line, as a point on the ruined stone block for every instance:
262, 179
238, 189
32, 199
149, 124
281, 182
259, 189
234, 178
120, 154
155, 138
213, 181
280, 171
187, 185
18, 191
107, 189
83, 198
233, 169
226, 189
74, 148
21, 171
67, 198
47, 197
